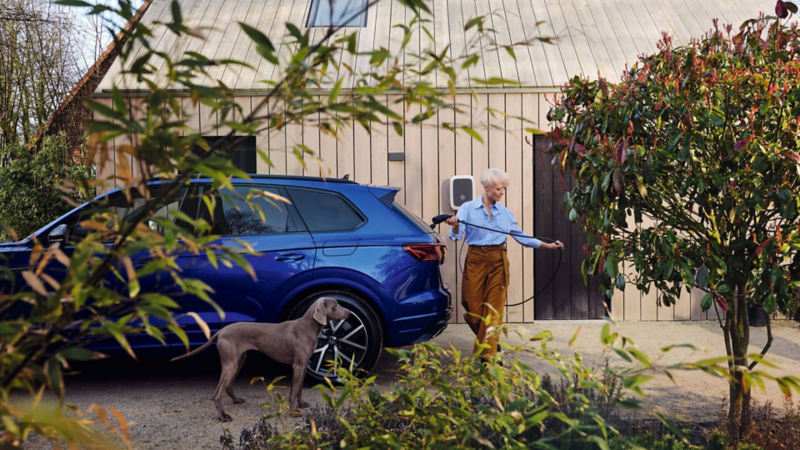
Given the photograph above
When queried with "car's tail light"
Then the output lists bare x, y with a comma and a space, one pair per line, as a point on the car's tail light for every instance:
427, 252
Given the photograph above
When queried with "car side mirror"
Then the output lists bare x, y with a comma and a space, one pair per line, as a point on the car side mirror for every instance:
59, 234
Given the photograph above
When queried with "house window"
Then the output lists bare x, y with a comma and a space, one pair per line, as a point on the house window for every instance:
349, 13
243, 155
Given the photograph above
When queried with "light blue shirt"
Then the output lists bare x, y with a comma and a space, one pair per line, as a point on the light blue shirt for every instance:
474, 212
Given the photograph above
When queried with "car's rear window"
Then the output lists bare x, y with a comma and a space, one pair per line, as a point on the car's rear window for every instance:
411, 218
325, 211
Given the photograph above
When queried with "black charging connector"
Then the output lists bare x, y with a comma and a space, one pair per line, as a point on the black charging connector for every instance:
439, 219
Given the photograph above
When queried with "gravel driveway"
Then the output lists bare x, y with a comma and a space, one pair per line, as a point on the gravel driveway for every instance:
170, 403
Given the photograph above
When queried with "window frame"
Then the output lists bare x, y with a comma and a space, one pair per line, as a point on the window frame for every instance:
356, 210
313, 11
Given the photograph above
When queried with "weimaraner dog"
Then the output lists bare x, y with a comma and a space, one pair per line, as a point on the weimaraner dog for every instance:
291, 342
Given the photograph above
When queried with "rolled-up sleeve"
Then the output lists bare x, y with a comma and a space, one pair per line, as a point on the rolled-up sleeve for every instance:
462, 215
520, 236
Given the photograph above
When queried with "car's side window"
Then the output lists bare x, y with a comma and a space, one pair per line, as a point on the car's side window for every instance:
127, 208
263, 215
128, 211
324, 211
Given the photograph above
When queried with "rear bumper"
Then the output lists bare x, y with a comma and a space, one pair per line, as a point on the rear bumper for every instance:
430, 313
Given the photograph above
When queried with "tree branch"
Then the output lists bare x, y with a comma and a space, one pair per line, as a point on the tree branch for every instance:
768, 345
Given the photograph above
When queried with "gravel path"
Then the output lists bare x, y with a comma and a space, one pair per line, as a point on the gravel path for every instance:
170, 404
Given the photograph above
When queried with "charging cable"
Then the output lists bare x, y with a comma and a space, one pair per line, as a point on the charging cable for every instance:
443, 217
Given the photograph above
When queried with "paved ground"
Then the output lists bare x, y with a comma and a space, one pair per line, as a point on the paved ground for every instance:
171, 407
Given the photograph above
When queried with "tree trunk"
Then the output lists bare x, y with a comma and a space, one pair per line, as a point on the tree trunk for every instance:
746, 419
737, 329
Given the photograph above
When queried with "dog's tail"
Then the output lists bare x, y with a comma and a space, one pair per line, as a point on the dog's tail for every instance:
197, 350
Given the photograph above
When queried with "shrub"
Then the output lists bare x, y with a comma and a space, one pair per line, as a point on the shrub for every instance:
768, 429
685, 176
29, 185
443, 399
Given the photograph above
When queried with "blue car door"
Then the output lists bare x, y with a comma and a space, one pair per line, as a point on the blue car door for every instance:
285, 258
184, 200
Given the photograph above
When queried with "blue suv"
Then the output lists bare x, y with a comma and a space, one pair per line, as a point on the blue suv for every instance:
336, 238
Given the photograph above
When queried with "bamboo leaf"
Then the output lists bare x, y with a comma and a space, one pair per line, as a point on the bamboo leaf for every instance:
333, 96
201, 323
75, 3
473, 133
34, 282
258, 37
541, 336
123, 341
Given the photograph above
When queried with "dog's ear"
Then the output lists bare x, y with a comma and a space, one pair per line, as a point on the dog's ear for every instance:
320, 315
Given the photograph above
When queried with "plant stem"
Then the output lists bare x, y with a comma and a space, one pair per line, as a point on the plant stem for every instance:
767, 346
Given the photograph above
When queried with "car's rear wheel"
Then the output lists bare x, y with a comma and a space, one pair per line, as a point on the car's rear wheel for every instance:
355, 342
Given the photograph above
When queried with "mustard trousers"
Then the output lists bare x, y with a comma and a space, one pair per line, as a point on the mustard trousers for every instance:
483, 294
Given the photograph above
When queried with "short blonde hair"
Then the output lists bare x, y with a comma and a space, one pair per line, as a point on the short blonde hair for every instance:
492, 176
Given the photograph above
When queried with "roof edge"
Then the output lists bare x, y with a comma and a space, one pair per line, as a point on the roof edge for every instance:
260, 93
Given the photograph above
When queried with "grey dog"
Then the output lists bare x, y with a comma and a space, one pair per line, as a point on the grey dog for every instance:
290, 342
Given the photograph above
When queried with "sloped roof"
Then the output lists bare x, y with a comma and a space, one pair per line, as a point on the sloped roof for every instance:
593, 35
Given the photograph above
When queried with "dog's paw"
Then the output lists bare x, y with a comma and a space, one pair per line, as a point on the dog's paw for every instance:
303, 405
238, 401
225, 418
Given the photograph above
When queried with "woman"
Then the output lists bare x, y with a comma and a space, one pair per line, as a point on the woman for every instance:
486, 276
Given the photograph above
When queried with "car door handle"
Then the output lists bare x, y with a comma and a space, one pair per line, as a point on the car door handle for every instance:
290, 257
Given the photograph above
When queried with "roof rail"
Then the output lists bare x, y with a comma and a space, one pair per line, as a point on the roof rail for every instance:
255, 176
301, 178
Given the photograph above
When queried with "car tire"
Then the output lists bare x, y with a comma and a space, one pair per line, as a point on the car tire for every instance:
358, 339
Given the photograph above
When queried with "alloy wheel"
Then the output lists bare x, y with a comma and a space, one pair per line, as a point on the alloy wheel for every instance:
344, 341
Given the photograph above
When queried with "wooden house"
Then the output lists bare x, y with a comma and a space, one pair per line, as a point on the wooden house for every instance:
593, 37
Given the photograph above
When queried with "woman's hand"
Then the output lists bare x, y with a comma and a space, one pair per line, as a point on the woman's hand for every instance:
554, 246
453, 222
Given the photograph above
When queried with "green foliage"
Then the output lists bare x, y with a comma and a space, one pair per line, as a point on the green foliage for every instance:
749, 447
30, 182
687, 173
716, 440
648, 441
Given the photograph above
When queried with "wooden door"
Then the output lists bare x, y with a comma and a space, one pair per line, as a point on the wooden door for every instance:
567, 296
